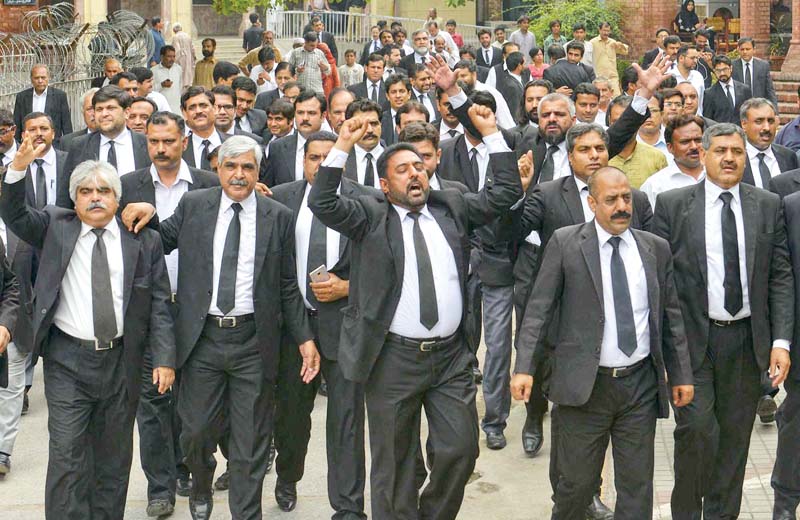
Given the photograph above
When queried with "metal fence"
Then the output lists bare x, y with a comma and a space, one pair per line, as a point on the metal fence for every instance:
74, 88
351, 27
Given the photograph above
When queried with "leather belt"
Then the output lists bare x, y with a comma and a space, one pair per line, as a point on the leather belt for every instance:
229, 322
424, 345
618, 372
94, 344
727, 323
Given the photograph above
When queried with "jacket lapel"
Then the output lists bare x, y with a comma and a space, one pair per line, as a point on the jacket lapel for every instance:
263, 231
147, 190
591, 254
747, 177
69, 237
394, 234
188, 154
649, 263
572, 200
130, 255
462, 159
751, 218
695, 222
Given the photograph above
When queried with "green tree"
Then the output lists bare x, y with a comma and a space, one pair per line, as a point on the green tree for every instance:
588, 12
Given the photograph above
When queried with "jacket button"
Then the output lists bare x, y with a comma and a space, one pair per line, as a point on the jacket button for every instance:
209, 293
44, 311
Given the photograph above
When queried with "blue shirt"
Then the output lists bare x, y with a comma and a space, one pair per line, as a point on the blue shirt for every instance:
789, 136
158, 39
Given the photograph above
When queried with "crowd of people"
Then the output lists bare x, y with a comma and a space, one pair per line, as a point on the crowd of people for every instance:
223, 242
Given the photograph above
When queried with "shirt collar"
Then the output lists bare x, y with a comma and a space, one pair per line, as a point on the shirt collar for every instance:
183, 174
248, 203
678, 173
50, 157
112, 228
434, 183
579, 182
123, 138
404, 211
603, 236
713, 191
376, 152
752, 151
213, 138
43, 94
481, 147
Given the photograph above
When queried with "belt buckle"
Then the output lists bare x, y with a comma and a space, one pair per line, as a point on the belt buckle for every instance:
229, 324
426, 346
615, 371
173, 298
102, 345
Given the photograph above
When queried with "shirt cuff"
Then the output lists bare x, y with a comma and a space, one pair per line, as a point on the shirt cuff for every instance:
495, 143
336, 159
782, 343
458, 100
13, 175
639, 103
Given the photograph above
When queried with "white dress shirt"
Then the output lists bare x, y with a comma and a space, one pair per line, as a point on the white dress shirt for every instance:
483, 160
444, 131
299, 154
245, 269
39, 101
244, 124
426, 100
769, 159
49, 165
9, 155
433, 182
406, 320
583, 193
666, 179
610, 354
488, 54
267, 85
361, 162
75, 312
197, 144
123, 147
167, 199
302, 238
161, 102
725, 86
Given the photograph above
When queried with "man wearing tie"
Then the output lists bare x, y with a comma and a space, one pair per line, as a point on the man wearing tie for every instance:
765, 159
733, 273
606, 296
237, 271
488, 54
199, 112
95, 313
46, 182
362, 160
401, 331
372, 87
722, 102
315, 246
752, 71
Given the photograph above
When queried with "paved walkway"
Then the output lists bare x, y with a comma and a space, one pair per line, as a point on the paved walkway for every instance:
506, 485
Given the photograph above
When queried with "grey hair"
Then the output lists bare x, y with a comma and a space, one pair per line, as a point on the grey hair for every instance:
556, 96
237, 145
176, 27
88, 94
755, 103
581, 129
601, 79
94, 171
418, 32
721, 129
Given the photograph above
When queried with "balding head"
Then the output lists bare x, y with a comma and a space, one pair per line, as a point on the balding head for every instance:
611, 199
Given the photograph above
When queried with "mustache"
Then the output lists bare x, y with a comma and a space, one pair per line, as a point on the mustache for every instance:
160, 157
237, 182
96, 205
621, 215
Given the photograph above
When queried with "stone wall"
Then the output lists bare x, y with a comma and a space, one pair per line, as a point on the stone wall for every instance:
209, 23
647, 16
11, 17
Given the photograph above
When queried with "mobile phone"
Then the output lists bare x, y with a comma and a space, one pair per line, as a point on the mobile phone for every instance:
320, 274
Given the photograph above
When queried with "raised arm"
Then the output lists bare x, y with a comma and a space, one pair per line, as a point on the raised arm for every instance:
29, 224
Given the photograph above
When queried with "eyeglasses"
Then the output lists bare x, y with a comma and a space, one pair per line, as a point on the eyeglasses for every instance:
7, 130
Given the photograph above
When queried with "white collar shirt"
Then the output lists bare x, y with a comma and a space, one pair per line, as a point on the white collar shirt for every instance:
667, 179
50, 175
167, 199
425, 99
483, 160
39, 101
8, 156
769, 159
197, 145
244, 123
583, 193
299, 154
444, 131
123, 147
361, 162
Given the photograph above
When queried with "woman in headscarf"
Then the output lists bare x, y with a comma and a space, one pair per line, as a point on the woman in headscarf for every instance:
330, 80
686, 20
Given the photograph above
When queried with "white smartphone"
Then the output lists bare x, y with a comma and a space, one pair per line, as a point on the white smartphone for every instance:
320, 274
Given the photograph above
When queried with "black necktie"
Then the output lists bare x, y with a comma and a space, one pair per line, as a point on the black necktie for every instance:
226, 290
486, 56
548, 167
41, 184
623, 310
473, 162
453, 133
112, 155
428, 310
374, 92
104, 318
730, 96
369, 172
422, 98
748, 80
238, 125
317, 255
204, 163
730, 251
763, 169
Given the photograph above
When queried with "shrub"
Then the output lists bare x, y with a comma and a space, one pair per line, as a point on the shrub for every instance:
589, 12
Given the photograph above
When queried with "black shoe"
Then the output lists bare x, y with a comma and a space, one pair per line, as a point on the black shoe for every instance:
766, 409
476, 374
25, 403
323, 388
286, 495
270, 457
183, 486
5, 464
200, 508
597, 510
532, 435
160, 507
783, 515
223, 482
495, 440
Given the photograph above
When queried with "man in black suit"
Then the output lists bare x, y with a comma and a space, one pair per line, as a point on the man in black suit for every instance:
199, 112
361, 165
487, 55
723, 102
510, 83
422, 50
396, 334
323, 300
43, 98
393, 54
162, 185
284, 73
605, 302
372, 87
371, 47
752, 71
113, 142
651, 55
111, 67
569, 72
248, 118
398, 92
421, 90
225, 114
110, 288
46, 181
285, 154
65, 143
734, 276
765, 159
324, 36
229, 359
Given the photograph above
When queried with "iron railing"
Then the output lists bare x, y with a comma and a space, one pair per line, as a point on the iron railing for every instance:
75, 88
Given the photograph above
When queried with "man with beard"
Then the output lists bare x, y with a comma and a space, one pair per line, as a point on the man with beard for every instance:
421, 52
686, 70
723, 101
467, 71
684, 136
637, 160
425, 138
204, 69
528, 115
286, 161
141, 110
421, 89
167, 78
46, 182
393, 56
402, 327
338, 100
361, 163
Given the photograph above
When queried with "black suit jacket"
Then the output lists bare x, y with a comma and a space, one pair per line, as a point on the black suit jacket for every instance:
762, 80
62, 183
258, 121
377, 257
65, 142
147, 322
98, 82
791, 206
19, 255
511, 90
281, 162
717, 107
361, 91
365, 52
786, 183
276, 297
566, 74
56, 106
188, 153
680, 219
649, 57
88, 148
388, 131
483, 73
569, 291
787, 160
330, 41
497, 57
265, 99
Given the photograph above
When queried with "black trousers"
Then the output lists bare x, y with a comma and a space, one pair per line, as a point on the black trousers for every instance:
625, 411
225, 371
90, 421
154, 418
404, 380
786, 474
712, 433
